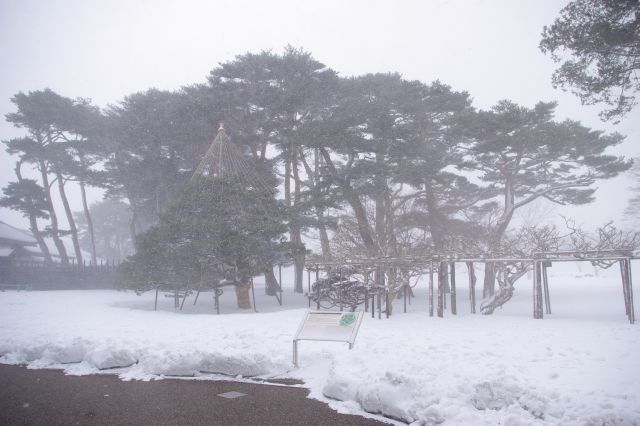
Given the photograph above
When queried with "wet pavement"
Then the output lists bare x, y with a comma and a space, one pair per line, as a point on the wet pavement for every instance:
48, 397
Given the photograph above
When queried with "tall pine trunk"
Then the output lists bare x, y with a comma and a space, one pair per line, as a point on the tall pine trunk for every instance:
319, 209
133, 222
85, 207
55, 232
299, 257
72, 223
87, 215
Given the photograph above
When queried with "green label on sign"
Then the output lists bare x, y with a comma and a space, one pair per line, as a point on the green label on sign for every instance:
347, 319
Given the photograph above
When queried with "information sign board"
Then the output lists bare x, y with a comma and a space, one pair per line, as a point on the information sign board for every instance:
327, 326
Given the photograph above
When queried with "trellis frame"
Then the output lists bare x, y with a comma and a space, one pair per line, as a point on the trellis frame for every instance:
540, 261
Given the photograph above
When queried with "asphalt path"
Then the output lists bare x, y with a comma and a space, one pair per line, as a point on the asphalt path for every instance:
49, 397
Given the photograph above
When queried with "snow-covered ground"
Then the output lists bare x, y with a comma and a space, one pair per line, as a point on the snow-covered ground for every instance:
578, 366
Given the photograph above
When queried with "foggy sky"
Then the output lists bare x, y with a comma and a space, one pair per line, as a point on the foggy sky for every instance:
105, 50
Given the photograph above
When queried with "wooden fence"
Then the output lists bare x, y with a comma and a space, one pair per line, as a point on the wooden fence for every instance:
38, 276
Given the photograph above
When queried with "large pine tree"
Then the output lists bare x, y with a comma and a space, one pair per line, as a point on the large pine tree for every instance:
227, 224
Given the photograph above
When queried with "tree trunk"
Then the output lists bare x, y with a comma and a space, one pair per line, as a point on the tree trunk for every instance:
434, 220
55, 232
398, 280
242, 295
496, 237
364, 228
443, 284
294, 230
324, 236
272, 287
499, 298
380, 225
72, 223
118, 247
313, 183
489, 286
87, 215
505, 290
33, 225
134, 219
322, 221
300, 253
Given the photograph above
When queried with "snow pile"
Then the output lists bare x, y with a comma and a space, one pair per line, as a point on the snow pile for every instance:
45, 329
492, 372
578, 366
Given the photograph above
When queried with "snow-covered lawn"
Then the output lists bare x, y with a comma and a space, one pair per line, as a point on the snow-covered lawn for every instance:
579, 366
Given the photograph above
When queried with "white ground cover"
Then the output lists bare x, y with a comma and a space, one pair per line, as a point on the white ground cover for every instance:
579, 366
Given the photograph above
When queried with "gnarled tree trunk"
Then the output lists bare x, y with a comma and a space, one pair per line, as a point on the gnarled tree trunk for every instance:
506, 280
33, 225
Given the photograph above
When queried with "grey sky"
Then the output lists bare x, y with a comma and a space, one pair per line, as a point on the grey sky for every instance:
104, 50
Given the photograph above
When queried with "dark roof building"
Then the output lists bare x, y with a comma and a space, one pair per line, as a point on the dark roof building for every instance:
17, 244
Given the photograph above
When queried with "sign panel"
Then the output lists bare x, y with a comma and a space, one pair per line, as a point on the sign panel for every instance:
327, 326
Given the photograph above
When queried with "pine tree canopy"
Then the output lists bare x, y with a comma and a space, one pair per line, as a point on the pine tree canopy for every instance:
226, 224
602, 40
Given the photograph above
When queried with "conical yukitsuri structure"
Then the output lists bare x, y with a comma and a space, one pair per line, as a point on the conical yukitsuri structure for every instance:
227, 225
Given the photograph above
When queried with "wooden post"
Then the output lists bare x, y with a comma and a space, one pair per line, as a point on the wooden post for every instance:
535, 273
472, 286
366, 292
440, 290
340, 288
317, 293
155, 307
545, 286
625, 287
379, 282
253, 295
404, 288
632, 311
431, 289
279, 291
373, 305
445, 283
386, 301
453, 288
537, 294
308, 286
318, 287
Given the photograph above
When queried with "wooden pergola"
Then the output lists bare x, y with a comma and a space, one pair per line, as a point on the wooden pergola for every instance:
540, 261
